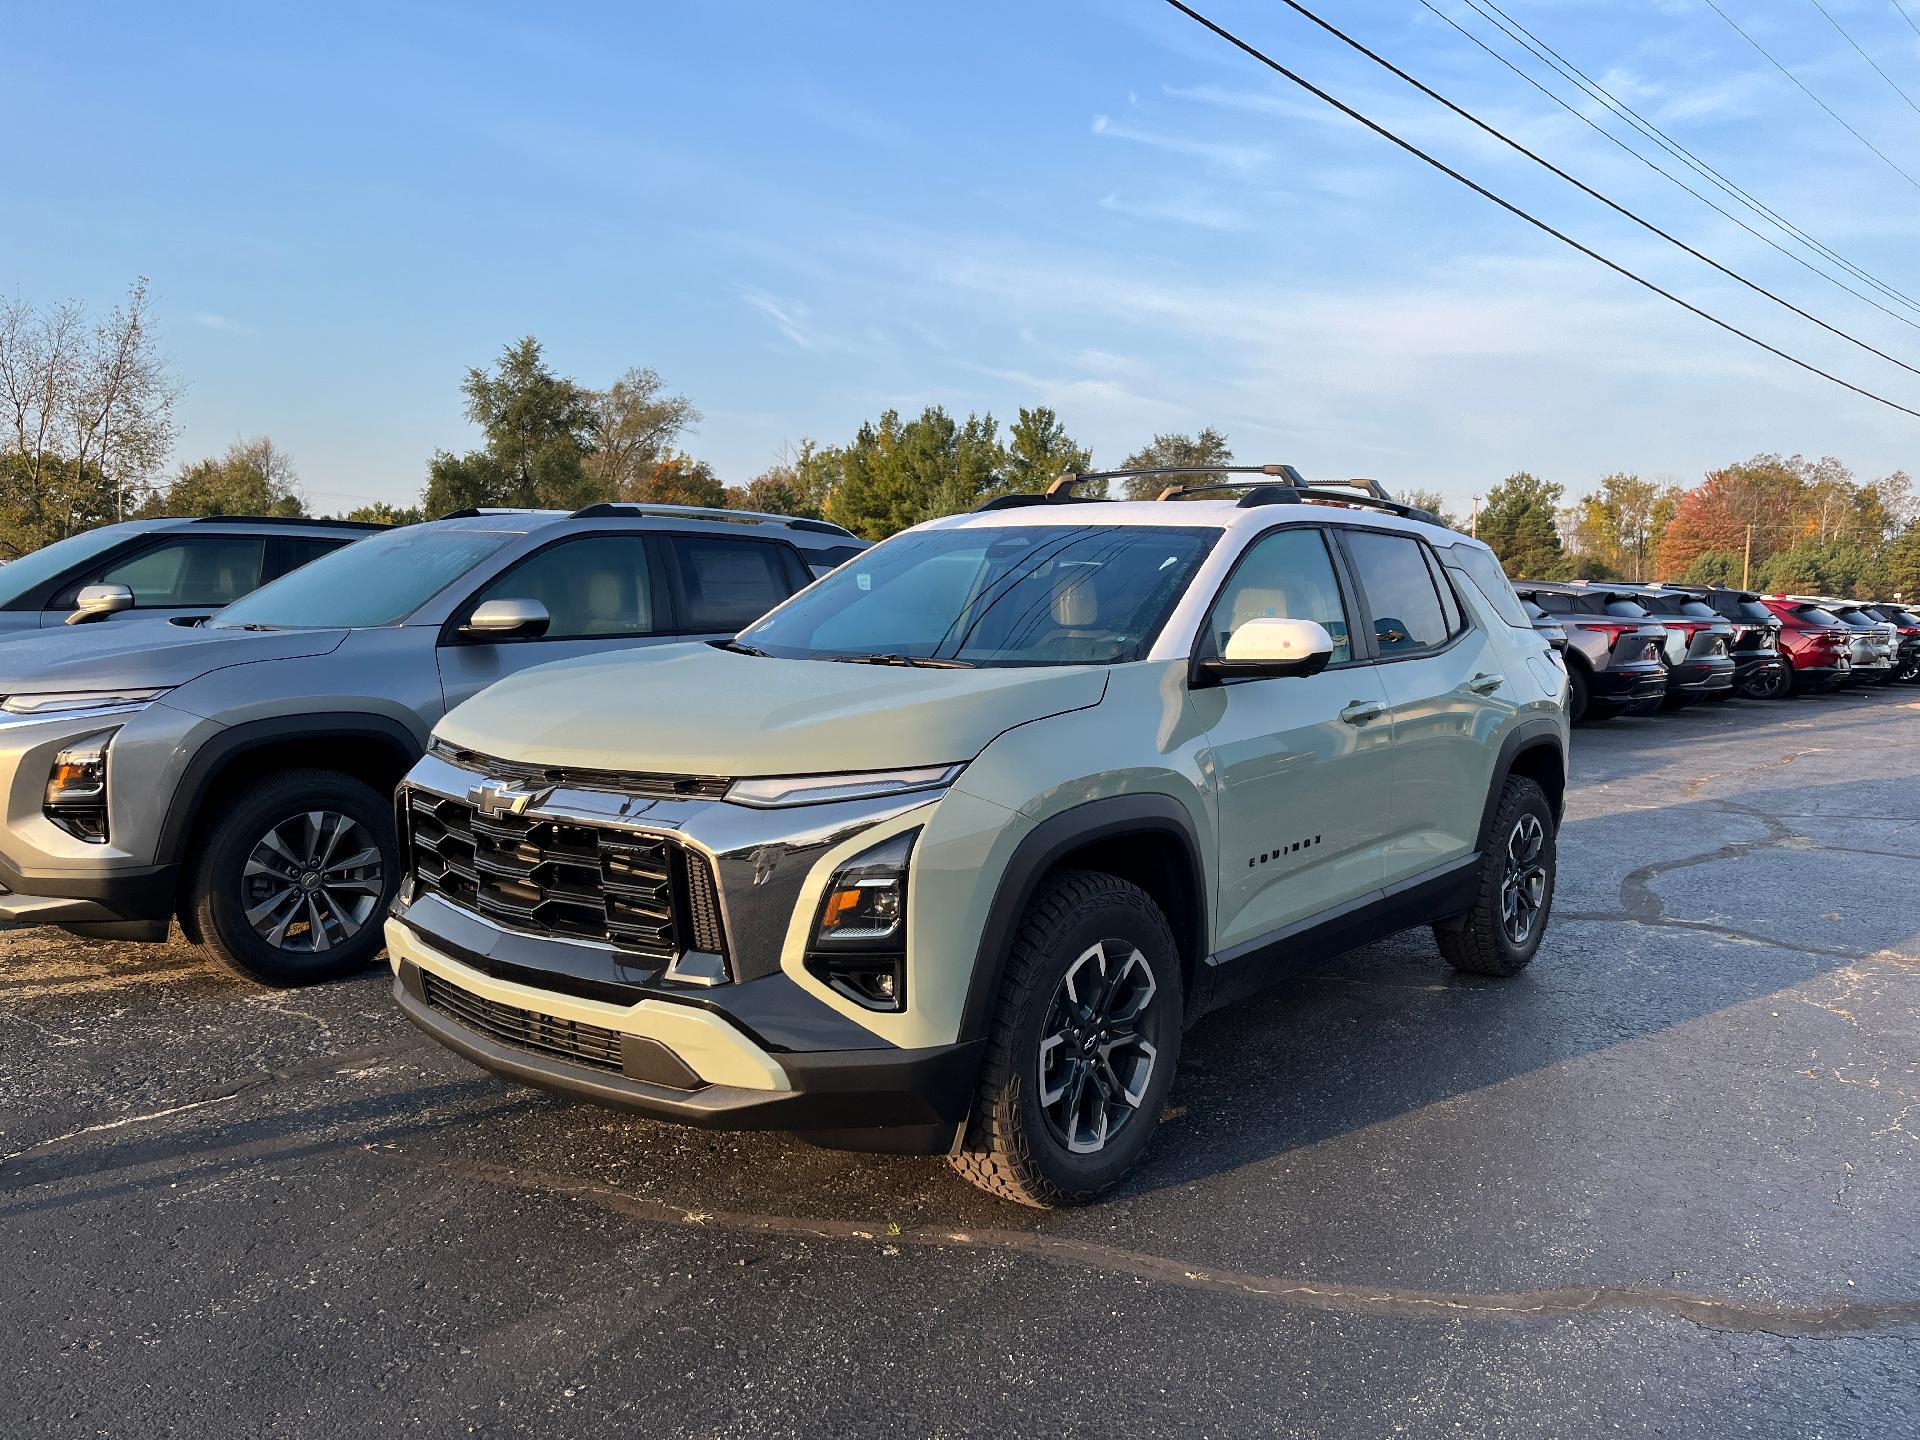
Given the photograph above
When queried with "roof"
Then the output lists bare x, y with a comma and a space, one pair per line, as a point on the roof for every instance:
1227, 515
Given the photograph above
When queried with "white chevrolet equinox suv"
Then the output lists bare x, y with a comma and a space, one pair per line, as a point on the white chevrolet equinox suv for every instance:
946, 852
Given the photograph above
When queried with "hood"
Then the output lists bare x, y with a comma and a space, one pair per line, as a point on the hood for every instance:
138, 655
697, 710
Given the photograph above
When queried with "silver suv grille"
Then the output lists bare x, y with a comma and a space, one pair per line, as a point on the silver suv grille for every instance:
557, 877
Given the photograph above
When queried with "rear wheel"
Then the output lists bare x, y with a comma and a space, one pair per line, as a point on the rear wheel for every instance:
1768, 686
1578, 701
1082, 1046
1501, 933
295, 878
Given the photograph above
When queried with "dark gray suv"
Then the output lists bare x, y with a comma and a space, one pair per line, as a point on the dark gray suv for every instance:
160, 569
237, 772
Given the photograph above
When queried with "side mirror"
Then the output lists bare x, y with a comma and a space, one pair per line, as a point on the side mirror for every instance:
508, 620
1272, 646
97, 602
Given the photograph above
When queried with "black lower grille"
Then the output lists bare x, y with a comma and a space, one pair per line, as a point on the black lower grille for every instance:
556, 877
528, 1030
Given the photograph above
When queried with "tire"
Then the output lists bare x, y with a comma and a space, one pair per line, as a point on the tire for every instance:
1578, 700
1776, 686
260, 853
1483, 943
1017, 1141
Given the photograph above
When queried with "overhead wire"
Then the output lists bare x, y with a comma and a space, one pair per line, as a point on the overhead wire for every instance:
1381, 130
1586, 189
1713, 6
1667, 174
1865, 56
1551, 57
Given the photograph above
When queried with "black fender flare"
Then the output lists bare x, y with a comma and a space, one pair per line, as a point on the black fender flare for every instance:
232, 743
1044, 847
1539, 733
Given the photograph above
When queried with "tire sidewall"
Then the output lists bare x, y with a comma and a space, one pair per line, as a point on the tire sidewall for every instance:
1082, 1176
218, 891
1525, 798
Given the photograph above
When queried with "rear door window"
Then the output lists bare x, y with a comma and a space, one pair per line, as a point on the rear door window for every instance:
726, 585
287, 553
1407, 614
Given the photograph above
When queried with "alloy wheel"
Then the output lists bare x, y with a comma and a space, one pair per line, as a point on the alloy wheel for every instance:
312, 881
1524, 889
1095, 1062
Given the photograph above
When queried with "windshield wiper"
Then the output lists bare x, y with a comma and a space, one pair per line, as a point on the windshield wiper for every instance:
918, 662
738, 648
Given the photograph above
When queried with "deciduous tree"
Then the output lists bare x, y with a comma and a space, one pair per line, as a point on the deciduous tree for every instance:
1209, 447
1517, 521
539, 433
253, 477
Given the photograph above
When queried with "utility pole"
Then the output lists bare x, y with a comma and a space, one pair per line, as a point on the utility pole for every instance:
1746, 561
1473, 524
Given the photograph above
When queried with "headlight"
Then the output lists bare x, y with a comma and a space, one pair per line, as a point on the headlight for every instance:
78, 702
76, 798
775, 791
859, 944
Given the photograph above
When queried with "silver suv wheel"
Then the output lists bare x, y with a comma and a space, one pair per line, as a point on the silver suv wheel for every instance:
1095, 1065
312, 881
1524, 889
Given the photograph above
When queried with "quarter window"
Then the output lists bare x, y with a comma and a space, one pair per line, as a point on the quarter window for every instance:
1286, 574
597, 585
213, 570
1392, 570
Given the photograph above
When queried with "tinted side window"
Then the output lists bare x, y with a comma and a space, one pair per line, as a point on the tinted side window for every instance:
290, 552
596, 585
1286, 574
1627, 610
1393, 574
1491, 581
206, 570
728, 584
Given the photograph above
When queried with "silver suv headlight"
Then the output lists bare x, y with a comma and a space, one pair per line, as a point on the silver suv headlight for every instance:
78, 702
76, 796
772, 792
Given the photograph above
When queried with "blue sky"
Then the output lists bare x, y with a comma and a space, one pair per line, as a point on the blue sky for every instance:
802, 214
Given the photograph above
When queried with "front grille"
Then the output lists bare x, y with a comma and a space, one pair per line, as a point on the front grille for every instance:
557, 877
591, 1045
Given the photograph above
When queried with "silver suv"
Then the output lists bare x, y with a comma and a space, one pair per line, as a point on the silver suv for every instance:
236, 773
160, 569
945, 853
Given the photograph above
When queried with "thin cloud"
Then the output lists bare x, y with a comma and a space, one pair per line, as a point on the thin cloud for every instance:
225, 324
1179, 212
1214, 152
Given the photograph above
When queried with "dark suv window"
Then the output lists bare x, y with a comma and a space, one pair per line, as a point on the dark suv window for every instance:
1399, 586
204, 570
726, 585
1628, 609
289, 552
597, 585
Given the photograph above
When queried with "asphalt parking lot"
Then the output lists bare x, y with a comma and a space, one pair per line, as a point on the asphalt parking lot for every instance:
1663, 1183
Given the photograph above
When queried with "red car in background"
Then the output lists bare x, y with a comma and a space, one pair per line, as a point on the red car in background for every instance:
1817, 646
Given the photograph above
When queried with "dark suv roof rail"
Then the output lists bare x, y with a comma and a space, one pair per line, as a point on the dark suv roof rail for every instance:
288, 520
607, 508
474, 512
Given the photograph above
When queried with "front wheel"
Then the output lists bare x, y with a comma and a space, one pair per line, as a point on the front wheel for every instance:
1500, 934
295, 878
1082, 1047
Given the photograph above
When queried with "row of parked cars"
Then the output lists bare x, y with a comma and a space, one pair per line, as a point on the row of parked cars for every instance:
937, 845
1637, 649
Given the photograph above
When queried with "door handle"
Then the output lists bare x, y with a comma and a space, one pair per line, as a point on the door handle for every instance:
1361, 711
1484, 684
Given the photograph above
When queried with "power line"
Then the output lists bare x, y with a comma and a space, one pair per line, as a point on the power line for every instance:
1524, 37
1711, 5
1667, 174
1905, 16
1515, 210
1865, 56
1586, 189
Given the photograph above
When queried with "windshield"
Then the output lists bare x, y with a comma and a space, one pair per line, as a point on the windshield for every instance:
17, 577
1627, 609
1754, 610
377, 581
999, 596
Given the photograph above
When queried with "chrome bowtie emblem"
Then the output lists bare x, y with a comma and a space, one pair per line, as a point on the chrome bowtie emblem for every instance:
505, 797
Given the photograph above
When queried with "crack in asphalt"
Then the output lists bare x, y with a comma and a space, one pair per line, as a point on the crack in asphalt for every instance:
1837, 1316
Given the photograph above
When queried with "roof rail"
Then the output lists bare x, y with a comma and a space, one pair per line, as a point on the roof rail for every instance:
288, 520
1061, 491
474, 512
608, 508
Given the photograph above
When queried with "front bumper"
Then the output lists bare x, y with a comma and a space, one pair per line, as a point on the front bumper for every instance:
675, 1057
123, 904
